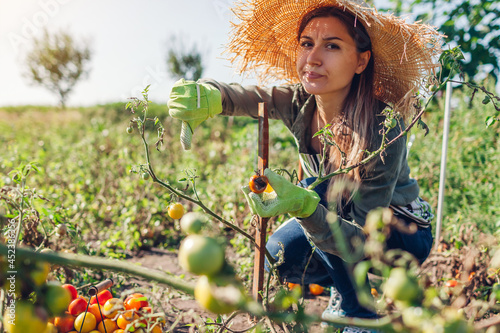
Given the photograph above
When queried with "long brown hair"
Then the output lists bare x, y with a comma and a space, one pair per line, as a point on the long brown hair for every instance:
355, 133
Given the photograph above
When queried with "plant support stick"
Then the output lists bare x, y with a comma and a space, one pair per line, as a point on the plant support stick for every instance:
260, 233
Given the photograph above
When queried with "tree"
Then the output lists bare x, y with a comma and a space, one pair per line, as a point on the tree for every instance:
57, 63
472, 25
183, 63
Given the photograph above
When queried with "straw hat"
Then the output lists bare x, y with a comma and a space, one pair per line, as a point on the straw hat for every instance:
265, 41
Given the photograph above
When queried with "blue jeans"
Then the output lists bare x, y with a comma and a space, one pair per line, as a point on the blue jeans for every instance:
329, 270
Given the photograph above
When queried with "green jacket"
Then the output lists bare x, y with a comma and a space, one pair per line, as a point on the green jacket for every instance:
385, 182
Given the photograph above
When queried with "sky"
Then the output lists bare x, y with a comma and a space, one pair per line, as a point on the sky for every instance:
129, 40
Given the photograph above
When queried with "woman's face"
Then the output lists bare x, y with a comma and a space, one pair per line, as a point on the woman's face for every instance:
328, 58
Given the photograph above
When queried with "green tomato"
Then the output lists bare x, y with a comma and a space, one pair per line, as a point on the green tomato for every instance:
219, 295
145, 175
400, 286
57, 298
390, 123
130, 130
40, 272
192, 222
201, 255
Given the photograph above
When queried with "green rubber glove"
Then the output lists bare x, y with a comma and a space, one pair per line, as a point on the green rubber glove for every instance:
286, 198
193, 103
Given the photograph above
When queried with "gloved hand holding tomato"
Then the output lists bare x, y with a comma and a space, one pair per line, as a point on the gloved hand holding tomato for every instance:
294, 200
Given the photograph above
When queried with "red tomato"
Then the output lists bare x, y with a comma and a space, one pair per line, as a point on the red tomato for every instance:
132, 304
451, 283
103, 297
94, 309
72, 290
141, 297
77, 306
64, 323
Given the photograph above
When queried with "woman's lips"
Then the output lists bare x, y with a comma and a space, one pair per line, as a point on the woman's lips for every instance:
312, 75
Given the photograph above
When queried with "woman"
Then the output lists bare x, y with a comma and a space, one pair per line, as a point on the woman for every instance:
350, 63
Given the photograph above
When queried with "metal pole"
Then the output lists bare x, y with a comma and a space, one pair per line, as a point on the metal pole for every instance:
444, 151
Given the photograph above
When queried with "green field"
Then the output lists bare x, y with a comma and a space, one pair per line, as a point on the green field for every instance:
85, 158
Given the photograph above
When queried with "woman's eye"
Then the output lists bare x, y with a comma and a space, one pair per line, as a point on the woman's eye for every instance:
305, 44
332, 46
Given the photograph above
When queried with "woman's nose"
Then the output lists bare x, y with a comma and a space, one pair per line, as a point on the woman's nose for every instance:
314, 57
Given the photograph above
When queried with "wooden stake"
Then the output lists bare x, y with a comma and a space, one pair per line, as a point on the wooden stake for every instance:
260, 233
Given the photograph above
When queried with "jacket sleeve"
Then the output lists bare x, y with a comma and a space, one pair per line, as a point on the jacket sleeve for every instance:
283, 102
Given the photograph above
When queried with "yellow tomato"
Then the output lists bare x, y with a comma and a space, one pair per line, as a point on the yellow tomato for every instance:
88, 321
176, 211
111, 307
109, 324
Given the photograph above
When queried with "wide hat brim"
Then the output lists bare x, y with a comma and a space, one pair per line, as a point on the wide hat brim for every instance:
264, 41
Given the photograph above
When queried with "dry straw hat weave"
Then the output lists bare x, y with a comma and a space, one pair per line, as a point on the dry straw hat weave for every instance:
265, 41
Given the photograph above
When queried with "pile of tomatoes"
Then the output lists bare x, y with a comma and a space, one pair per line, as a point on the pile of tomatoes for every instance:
105, 313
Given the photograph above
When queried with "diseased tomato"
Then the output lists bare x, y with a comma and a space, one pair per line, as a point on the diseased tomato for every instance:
201, 255
176, 211
111, 307
126, 318
258, 183
61, 229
